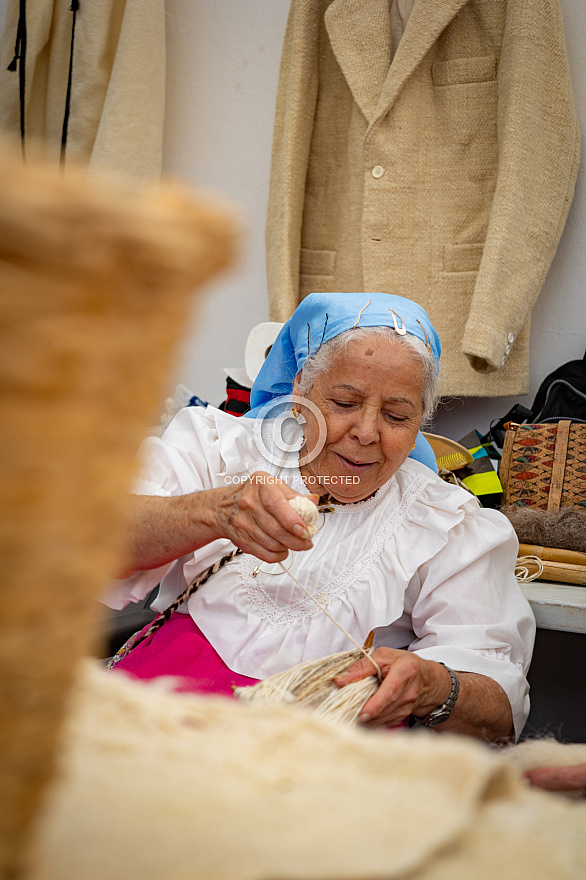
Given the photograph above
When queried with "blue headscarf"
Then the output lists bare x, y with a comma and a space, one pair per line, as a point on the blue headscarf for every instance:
323, 316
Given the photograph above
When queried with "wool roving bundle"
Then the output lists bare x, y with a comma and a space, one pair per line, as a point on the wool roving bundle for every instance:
94, 292
564, 529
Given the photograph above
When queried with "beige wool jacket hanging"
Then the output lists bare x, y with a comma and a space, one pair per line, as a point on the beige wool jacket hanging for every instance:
445, 177
117, 82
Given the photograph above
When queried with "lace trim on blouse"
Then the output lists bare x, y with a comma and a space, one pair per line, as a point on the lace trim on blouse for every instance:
285, 615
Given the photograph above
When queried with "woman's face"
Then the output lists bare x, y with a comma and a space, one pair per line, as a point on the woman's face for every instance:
371, 400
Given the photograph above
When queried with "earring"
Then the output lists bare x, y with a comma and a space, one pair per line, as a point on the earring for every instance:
414, 445
294, 412
401, 331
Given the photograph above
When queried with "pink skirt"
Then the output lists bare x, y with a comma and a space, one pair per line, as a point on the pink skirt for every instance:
179, 648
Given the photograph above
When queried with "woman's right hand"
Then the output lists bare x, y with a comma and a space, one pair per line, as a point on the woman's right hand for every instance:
257, 517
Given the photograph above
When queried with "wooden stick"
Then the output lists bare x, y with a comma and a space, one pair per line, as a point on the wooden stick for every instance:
561, 572
553, 554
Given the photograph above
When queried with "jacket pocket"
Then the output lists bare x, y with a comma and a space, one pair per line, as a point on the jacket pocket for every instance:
466, 96
463, 257
313, 262
457, 71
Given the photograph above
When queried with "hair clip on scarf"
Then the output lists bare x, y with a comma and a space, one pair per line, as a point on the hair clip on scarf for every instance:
400, 330
427, 342
357, 322
309, 353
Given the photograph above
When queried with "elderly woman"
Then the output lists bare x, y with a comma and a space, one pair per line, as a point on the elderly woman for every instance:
337, 409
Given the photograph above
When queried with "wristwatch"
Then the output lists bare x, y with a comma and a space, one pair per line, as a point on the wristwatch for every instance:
443, 712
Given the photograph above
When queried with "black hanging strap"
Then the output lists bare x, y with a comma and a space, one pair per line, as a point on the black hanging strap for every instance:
158, 622
74, 8
20, 60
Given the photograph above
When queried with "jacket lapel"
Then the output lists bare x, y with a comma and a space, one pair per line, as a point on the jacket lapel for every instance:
360, 36
425, 24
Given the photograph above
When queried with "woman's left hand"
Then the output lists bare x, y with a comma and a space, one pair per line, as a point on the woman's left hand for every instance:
410, 685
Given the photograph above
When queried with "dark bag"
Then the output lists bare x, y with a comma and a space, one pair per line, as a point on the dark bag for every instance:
561, 395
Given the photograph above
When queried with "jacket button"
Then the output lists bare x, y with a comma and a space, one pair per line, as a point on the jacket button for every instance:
378, 171
511, 338
503, 362
507, 349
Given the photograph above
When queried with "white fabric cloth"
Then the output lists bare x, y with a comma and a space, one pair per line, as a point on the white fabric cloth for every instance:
117, 83
419, 562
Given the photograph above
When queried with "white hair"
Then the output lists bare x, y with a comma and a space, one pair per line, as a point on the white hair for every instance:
322, 360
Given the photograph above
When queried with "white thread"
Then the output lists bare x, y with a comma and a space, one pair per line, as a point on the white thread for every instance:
333, 619
311, 684
522, 573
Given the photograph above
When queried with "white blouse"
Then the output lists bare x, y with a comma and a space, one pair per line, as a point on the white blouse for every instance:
420, 563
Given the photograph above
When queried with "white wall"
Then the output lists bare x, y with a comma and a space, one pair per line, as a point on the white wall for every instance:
223, 63
223, 59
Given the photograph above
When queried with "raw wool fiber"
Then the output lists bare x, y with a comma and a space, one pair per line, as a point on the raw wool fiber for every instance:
310, 684
565, 529
545, 752
94, 292
158, 785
